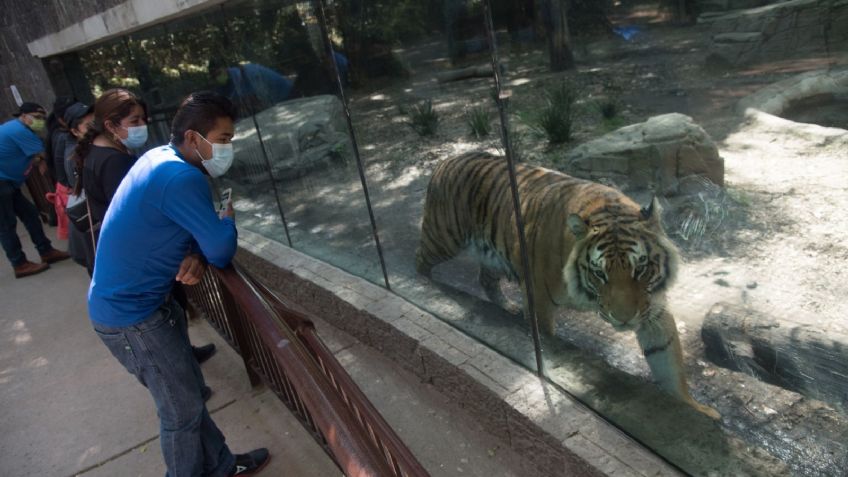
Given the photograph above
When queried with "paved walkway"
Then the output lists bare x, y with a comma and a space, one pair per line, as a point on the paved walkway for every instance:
68, 408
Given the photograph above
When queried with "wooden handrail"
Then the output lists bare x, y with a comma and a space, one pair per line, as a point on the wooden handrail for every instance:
400, 457
279, 346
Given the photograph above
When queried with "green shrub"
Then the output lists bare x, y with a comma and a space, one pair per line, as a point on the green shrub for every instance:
608, 107
423, 118
480, 121
557, 116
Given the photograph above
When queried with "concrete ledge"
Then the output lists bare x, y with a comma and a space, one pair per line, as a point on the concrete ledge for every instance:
530, 416
119, 20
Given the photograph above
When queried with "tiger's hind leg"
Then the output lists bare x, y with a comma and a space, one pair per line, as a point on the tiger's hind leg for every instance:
490, 279
432, 251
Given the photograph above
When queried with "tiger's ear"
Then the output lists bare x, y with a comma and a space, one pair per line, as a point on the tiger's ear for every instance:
653, 212
577, 225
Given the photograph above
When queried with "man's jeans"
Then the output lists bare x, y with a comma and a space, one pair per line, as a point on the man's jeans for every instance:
158, 353
13, 203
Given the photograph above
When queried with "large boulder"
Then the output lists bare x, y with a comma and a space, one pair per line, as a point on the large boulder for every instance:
777, 31
778, 97
668, 154
297, 137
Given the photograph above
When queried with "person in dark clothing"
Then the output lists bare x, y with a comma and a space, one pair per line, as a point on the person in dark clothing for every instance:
77, 117
57, 137
103, 155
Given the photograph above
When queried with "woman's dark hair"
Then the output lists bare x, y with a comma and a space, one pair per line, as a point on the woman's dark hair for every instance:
113, 105
199, 112
59, 106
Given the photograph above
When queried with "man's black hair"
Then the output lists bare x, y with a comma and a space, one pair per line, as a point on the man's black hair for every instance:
199, 112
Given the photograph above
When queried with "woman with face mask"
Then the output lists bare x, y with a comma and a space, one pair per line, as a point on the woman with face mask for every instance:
104, 154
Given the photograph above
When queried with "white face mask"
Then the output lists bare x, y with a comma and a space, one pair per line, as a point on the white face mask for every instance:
136, 136
221, 160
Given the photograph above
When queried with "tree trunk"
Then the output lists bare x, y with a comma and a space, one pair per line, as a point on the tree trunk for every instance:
559, 40
780, 352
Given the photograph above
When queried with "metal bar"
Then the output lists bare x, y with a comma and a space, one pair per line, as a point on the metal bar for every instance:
322, 22
261, 142
516, 200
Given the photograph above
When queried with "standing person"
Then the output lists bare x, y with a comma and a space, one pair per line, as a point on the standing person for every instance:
162, 226
103, 154
20, 148
57, 138
78, 116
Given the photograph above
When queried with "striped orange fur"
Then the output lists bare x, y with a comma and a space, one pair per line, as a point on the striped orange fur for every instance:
589, 245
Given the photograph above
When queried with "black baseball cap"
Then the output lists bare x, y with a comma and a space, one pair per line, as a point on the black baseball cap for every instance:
75, 112
27, 108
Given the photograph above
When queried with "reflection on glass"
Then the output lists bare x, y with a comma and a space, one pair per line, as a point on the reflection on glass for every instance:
287, 86
421, 92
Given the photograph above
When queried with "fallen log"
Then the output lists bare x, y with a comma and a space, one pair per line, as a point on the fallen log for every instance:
799, 358
463, 73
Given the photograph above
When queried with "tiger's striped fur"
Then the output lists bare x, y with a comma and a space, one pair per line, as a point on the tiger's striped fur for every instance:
589, 246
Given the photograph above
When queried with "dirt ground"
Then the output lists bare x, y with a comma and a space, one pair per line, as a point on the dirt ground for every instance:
778, 245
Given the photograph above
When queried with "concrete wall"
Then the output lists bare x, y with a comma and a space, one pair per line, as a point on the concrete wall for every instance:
22, 22
45, 28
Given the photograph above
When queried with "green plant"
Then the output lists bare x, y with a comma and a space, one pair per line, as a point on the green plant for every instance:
480, 121
556, 118
423, 118
612, 124
608, 107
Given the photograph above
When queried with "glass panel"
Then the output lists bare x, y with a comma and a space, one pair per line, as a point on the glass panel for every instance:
419, 77
759, 336
284, 80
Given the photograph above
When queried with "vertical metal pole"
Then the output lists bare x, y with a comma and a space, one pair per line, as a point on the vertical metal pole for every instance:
322, 21
516, 200
261, 142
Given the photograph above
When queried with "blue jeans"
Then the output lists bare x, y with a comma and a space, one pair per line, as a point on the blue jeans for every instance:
158, 353
13, 203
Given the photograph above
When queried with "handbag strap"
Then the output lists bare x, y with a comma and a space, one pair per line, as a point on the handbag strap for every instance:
90, 225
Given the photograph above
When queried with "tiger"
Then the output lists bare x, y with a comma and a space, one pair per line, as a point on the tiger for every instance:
590, 247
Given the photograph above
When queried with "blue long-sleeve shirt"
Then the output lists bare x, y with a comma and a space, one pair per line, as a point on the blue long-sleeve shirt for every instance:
162, 210
18, 144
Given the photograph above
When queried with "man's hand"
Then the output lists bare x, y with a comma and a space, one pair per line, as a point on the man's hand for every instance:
192, 269
228, 211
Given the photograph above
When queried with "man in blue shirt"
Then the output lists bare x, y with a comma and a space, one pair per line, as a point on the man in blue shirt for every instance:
161, 225
251, 85
20, 148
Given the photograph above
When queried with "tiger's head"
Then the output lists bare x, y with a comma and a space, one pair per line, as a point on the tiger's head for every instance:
621, 265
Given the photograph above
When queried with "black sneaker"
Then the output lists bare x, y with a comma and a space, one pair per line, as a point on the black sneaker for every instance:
206, 393
203, 353
250, 463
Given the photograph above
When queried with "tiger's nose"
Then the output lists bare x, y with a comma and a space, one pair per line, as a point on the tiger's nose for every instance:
616, 316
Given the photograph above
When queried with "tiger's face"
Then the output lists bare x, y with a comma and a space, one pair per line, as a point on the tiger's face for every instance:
621, 269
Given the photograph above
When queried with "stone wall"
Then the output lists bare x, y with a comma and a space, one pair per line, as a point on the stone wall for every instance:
23, 22
778, 31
